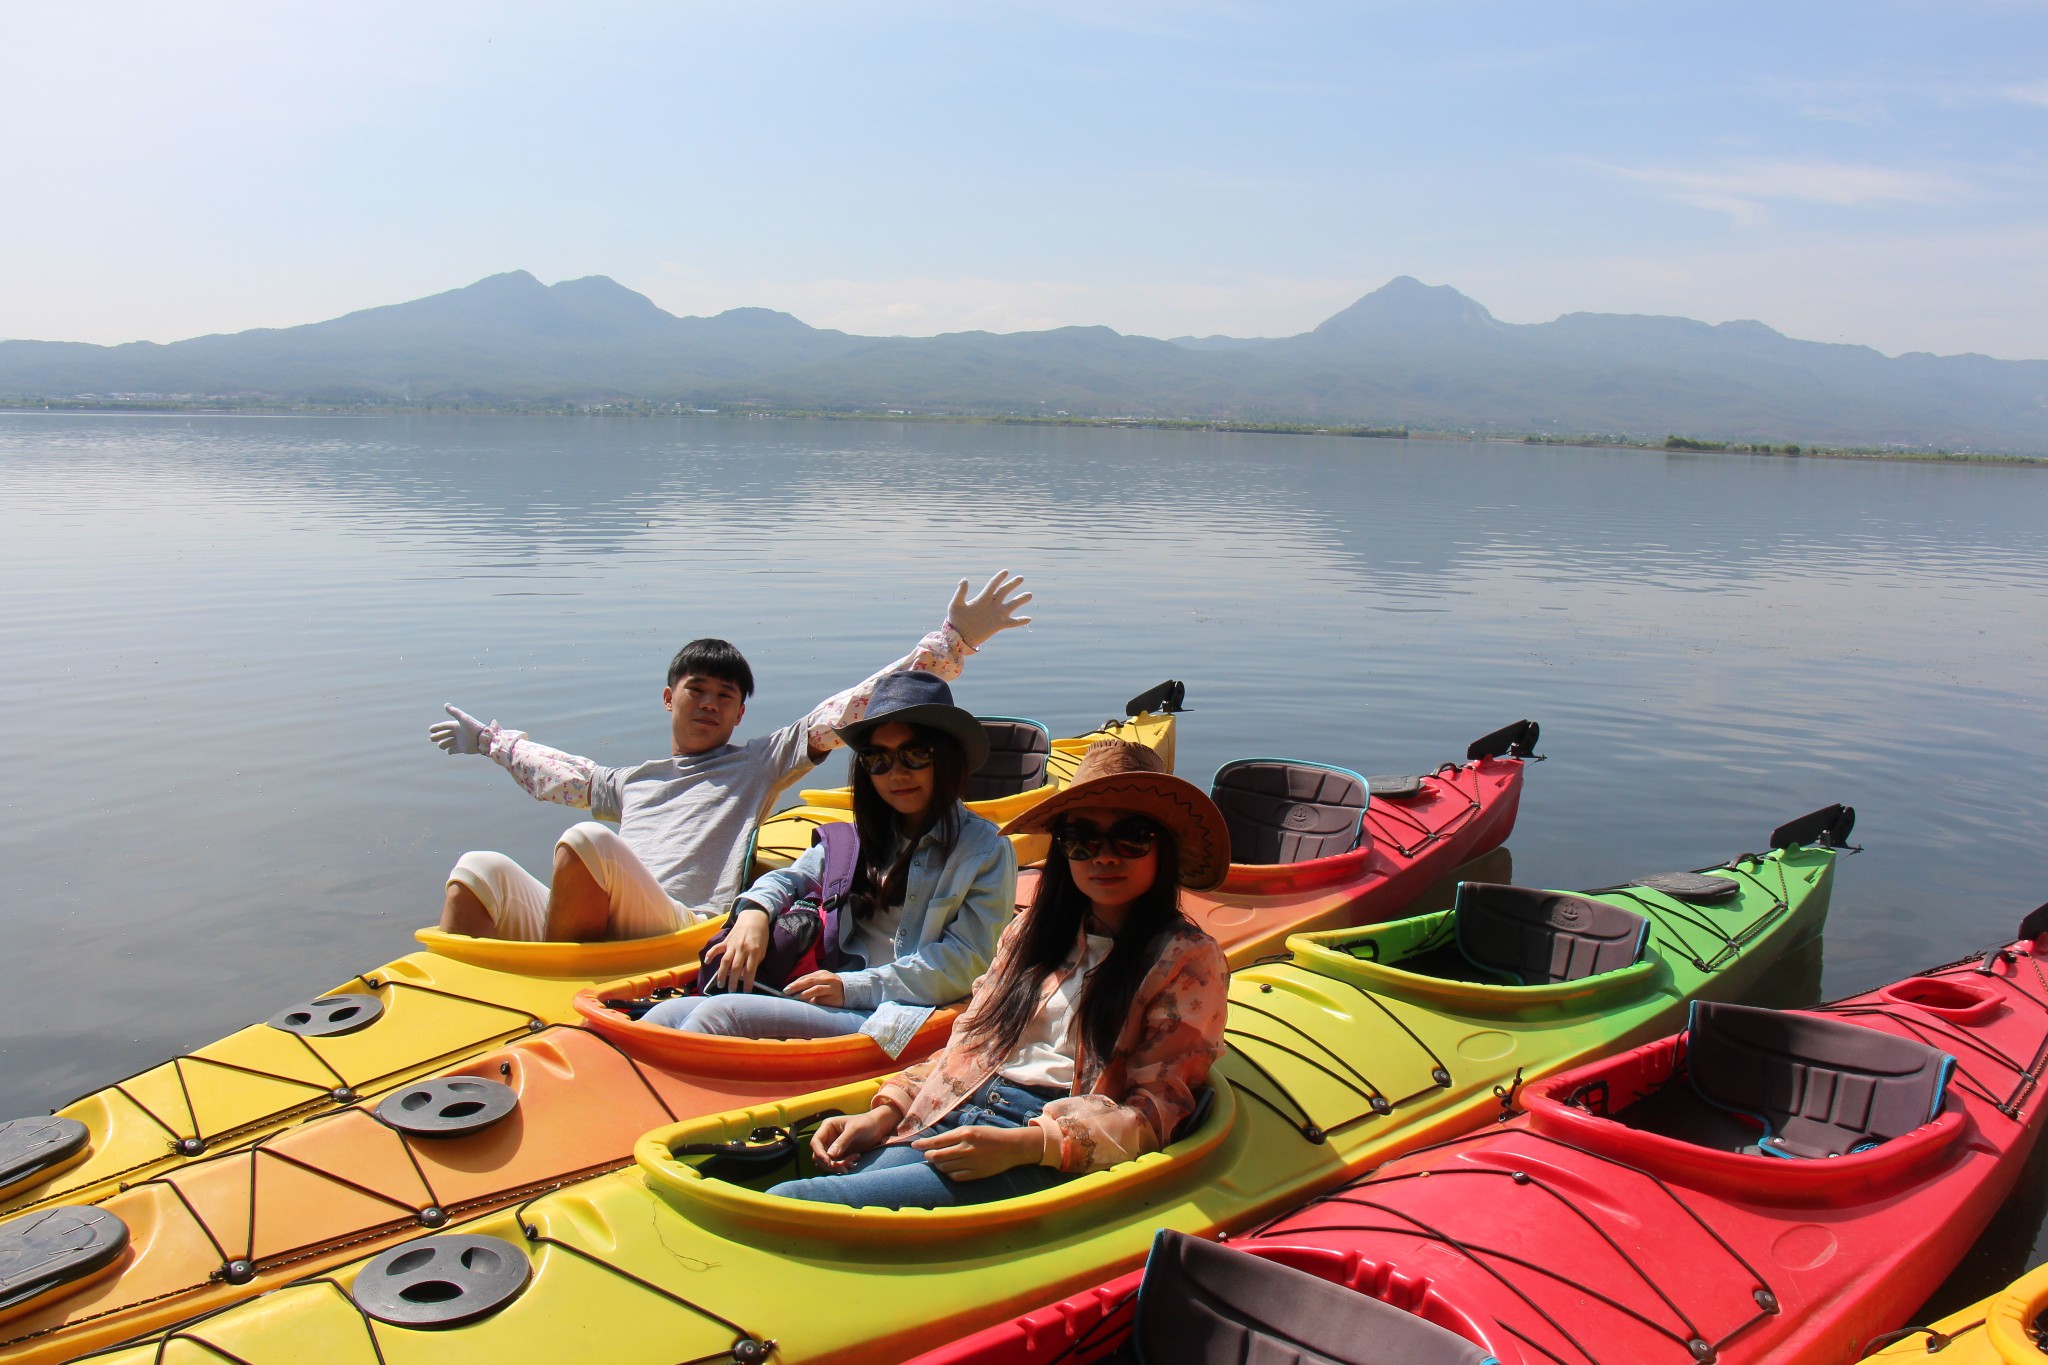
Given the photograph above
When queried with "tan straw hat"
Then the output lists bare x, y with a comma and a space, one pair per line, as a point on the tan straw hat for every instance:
1119, 775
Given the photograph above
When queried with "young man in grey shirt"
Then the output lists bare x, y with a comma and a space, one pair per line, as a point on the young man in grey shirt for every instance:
684, 821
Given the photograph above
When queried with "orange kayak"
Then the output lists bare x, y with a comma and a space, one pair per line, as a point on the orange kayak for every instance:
570, 1102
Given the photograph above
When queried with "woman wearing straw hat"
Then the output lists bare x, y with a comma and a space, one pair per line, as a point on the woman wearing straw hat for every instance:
932, 886
1096, 1025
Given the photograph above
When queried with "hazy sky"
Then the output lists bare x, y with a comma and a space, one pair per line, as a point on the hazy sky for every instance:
1872, 172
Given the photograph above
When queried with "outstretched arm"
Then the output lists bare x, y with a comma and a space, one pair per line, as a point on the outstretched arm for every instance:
546, 774
970, 623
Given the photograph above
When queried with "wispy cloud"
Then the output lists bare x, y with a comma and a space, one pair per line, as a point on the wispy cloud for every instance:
2034, 93
1745, 191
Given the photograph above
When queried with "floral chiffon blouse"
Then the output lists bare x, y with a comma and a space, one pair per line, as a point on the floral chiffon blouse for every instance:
1121, 1106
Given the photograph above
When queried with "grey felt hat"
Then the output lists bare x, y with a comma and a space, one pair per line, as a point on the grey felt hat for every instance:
918, 698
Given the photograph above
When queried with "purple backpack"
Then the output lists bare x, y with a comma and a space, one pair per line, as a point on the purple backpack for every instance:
805, 938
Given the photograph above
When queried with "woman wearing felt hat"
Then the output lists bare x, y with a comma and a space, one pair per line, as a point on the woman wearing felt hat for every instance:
932, 885
1097, 1024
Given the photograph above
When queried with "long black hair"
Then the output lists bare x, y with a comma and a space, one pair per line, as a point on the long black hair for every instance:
1057, 912
879, 877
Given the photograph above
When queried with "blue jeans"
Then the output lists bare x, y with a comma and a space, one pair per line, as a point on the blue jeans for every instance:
754, 1016
898, 1176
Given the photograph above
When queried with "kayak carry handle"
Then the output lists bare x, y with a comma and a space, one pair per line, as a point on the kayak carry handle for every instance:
1164, 699
1514, 741
1827, 827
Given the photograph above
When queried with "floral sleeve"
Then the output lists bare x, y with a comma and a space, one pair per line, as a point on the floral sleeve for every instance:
546, 774
1179, 1038
942, 653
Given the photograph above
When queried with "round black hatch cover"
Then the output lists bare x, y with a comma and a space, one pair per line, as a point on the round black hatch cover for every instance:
442, 1281
44, 1251
1691, 886
32, 1145
447, 1106
330, 1016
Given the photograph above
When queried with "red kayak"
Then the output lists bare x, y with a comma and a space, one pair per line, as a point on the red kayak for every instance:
1769, 1186
1319, 847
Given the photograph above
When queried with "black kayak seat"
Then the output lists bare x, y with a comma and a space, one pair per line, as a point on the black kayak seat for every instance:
1017, 754
44, 1251
39, 1143
1282, 811
1202, 1303
1543, 938
1819, 1087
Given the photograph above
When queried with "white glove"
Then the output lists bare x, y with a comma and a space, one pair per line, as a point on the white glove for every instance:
991, 610
463, 735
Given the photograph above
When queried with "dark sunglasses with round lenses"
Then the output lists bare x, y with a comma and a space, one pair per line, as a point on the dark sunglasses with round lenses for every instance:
876, 761
1131, 837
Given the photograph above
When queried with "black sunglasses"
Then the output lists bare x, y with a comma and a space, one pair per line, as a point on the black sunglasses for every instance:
1131, 837
876, 761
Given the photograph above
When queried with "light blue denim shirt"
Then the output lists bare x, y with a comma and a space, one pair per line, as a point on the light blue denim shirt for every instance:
954, 911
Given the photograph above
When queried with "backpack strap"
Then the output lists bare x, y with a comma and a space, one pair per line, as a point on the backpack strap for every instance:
842, 851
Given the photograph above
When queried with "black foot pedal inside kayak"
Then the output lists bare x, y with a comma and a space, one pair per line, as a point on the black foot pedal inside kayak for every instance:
442, 1281
54, 1251
449, 1106
330, 1016
1691, 886
33, 1147
1205, 1304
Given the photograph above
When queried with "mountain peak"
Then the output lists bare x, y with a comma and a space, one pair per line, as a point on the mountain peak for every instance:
1406, 304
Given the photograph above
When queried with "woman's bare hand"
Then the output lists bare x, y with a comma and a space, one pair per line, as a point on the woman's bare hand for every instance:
818, 988
739, 957
977, 1152
843, 1137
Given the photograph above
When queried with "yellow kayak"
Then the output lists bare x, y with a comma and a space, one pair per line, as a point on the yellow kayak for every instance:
2005, 1329
1367, 1043
382, 1029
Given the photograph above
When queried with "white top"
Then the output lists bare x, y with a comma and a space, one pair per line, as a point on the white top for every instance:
1044, 1054
874, 938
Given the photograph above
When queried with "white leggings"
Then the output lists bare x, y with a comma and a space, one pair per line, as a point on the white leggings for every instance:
518, 901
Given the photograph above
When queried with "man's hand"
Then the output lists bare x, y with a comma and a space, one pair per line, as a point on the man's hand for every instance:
818, 988
463, 735
992, 609
739, 956
843, 1137
978, 1152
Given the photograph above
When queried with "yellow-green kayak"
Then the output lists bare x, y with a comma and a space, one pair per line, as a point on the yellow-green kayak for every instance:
2005, 1329
1366, 1043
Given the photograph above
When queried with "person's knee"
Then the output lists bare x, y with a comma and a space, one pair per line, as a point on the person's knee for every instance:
676, 1013
716, 1014
464, 912
590, 848
484, 873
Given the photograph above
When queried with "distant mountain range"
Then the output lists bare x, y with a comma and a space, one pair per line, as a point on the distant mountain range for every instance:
1408, 354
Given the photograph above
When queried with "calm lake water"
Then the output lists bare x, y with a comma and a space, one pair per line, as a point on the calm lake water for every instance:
224, 640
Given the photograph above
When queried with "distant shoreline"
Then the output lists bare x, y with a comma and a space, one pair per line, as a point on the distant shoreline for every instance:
1669, 445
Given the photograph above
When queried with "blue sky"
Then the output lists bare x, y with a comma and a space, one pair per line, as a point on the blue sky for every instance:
1872, 172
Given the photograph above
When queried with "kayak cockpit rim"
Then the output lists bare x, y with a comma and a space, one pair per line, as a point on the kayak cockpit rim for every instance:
744, 1211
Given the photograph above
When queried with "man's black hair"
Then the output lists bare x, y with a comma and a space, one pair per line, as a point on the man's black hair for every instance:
713, 659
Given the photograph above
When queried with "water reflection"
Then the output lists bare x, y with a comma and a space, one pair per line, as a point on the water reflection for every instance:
225, 637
